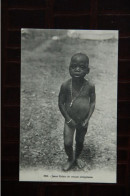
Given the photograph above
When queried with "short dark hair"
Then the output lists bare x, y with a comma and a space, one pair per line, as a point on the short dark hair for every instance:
81, 54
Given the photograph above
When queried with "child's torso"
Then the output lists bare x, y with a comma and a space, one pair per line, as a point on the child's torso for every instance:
78, 105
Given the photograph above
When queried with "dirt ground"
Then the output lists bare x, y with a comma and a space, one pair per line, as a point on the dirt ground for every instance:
44, 68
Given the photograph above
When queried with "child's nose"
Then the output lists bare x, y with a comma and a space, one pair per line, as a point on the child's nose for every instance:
77, 68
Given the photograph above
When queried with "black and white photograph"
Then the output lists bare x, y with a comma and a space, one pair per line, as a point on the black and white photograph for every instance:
68, 105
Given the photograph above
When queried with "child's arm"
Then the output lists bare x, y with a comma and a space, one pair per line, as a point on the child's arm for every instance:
61, 103
92, 106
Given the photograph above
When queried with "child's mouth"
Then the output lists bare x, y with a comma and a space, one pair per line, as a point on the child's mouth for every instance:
76, 76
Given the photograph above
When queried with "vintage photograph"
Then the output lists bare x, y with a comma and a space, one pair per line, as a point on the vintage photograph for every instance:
68, 114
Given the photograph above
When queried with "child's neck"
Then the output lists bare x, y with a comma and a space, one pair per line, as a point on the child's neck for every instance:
77, 82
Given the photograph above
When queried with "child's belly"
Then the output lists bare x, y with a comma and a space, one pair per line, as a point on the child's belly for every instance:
79, 109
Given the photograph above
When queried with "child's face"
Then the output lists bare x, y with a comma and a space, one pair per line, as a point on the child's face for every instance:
79, 67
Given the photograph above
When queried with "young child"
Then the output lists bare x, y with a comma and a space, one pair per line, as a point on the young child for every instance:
76, 103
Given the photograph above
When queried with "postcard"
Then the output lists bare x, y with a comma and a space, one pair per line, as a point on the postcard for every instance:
68, 114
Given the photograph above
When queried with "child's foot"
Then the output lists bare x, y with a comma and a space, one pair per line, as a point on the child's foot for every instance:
68, 165
80, 163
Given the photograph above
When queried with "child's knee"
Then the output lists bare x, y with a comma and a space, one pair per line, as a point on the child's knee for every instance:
68, 143
79, 140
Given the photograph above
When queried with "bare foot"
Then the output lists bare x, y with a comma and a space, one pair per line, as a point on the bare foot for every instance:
68, 165
80, 163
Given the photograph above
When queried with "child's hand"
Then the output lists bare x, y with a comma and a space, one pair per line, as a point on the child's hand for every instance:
71, 123
85, 123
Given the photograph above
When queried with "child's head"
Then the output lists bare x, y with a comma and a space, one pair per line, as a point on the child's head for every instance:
79, 65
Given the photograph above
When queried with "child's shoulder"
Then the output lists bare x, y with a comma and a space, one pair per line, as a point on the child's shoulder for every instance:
90, 83
66, 84
91, 86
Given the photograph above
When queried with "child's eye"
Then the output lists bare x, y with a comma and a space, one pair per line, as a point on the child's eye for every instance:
73, 66
82, 66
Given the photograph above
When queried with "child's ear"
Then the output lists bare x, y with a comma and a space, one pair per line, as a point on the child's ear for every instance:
88, 70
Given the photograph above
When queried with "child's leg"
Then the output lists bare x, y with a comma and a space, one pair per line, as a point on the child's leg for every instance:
80, 134
68, 143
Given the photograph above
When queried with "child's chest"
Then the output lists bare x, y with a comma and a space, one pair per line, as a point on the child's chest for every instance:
83, 92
